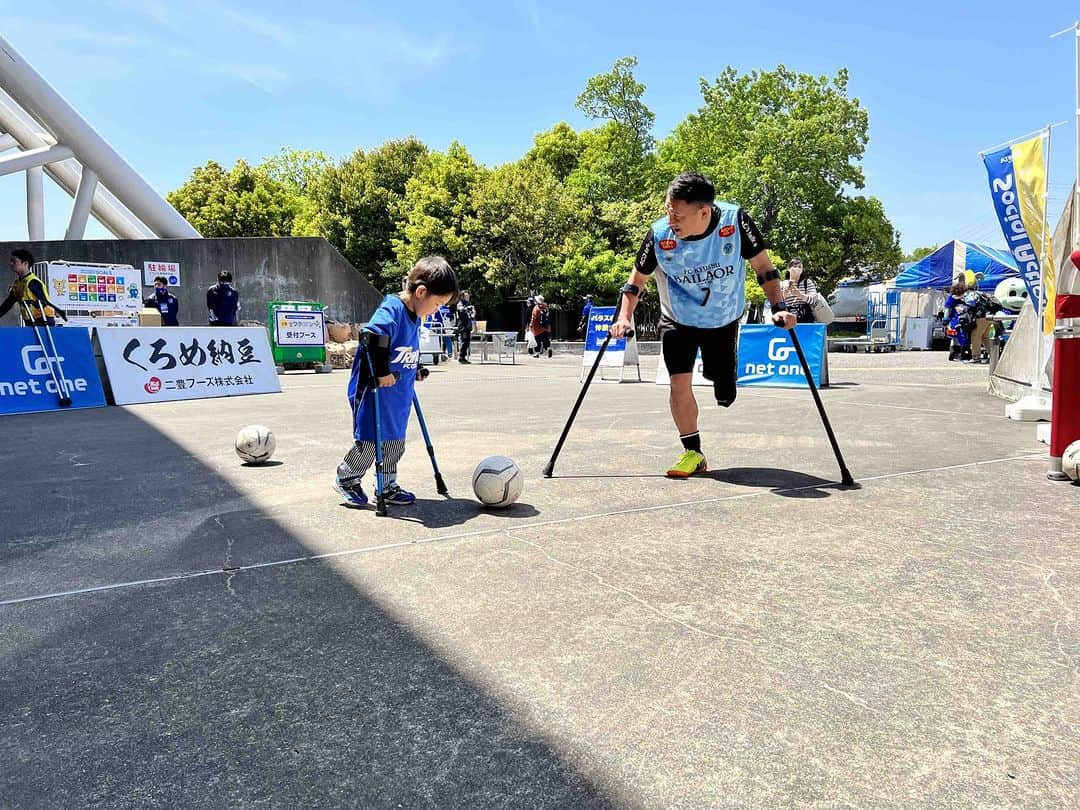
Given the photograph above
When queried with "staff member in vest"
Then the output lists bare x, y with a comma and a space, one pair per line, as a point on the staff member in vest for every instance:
696, 254
223, 301
164, 302
28, 287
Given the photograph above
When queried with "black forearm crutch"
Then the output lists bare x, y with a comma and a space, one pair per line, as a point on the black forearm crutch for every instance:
440, 485
845, 476
63, 391
549, 469
366, 339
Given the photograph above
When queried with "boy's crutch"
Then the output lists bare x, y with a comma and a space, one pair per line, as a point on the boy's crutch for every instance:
440, 485
380, 497
549, 469
63, 391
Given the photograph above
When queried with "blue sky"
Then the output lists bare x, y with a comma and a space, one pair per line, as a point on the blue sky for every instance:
173, 84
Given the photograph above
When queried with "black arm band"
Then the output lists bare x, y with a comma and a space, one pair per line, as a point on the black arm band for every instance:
779, 306
631, 289
770, 275
375, 340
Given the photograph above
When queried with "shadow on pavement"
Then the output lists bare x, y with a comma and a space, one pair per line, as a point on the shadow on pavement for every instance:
786, 483
444, 512
282, 686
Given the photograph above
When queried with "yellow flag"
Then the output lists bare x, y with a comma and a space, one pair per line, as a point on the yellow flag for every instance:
1030, 168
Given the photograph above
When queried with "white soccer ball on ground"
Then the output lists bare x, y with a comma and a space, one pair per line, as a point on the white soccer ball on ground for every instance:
255, 444
497, 481
1070, 461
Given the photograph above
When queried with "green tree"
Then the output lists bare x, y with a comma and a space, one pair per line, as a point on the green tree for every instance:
616, 96
855, 240
438, 200
615, 160
356, 205
296, 169
599, 272
559, 148
787, 147
243, 201
524, 227
920, 253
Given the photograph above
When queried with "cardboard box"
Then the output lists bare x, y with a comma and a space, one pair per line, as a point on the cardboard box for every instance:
338, 332
148, 316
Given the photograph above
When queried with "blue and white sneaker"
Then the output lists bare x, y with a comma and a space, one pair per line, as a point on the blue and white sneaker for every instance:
396, 495
353, 494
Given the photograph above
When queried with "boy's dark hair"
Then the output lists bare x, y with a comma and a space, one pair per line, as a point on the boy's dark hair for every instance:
435, 273
23, 256
692, 187
161, 280
224, 275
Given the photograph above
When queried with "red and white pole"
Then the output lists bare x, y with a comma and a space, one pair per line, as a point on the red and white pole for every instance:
1065, 411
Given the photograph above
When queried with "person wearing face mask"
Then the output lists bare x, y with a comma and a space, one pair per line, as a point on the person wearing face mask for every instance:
800, 292
164, 302
223, 302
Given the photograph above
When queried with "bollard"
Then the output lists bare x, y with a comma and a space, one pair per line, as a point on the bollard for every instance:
1065, 410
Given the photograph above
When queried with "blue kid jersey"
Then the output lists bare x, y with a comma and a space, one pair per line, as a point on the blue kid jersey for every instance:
393, 320
701, 282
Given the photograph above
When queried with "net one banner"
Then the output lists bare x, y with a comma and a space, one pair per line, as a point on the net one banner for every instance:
620, 353
27, 382
767, 358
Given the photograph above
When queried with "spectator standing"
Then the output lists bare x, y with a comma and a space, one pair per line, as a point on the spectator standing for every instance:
164, 302
466, 319
223, 302
540, 326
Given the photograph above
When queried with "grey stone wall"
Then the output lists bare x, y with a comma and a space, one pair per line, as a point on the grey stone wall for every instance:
290, 269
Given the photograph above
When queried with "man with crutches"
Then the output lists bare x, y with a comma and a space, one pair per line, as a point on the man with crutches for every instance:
696, 255
29, 294
38, 313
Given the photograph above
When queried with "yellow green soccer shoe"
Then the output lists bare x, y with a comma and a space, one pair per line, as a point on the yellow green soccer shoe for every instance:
689, 463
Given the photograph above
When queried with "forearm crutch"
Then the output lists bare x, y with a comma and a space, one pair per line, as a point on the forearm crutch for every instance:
54, 362
550, 468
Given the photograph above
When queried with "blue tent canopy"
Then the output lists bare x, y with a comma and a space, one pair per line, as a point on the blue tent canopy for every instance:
938, 270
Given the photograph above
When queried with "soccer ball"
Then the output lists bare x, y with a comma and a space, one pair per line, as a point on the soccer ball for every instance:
1070, 461
255, 444
497, 481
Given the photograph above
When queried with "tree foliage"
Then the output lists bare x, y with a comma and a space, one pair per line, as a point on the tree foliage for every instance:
567, 218
920, 253
243, 201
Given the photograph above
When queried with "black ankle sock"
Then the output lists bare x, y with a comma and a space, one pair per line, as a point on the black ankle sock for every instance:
691, 441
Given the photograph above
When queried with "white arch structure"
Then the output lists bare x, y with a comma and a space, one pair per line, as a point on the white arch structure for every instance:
52, 139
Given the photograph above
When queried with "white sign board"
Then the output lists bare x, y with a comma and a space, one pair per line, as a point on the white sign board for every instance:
162, 364
95, 288
299, 327
170, 270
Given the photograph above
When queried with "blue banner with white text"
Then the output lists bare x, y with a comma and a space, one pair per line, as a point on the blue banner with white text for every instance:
1007, 203
767, 356
31, 377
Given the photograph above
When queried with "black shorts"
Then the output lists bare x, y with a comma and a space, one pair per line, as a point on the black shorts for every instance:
719, 354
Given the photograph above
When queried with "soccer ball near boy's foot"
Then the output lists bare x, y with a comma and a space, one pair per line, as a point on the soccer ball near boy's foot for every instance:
497, 481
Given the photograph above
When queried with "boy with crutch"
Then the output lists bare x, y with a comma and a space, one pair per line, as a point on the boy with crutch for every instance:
384, 371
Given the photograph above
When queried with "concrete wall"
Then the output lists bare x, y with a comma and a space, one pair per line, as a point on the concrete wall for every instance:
290, 269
